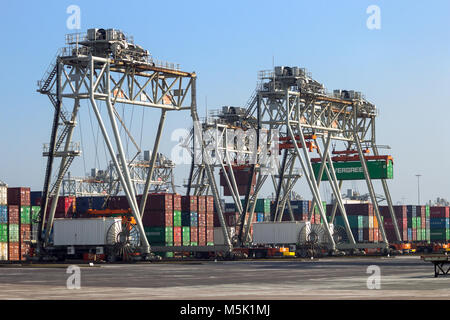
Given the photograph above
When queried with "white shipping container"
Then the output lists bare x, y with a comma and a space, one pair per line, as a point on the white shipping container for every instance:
218, 235
3, 195
3, 251
285, 232
92, 231
370, 222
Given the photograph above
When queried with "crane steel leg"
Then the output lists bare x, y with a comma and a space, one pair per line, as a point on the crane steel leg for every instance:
371, 189
335, 205
125, 185
287, 188
246, 203
307, 168
259, 184
148, 182
389, 200
280, 182
332, 178
52, 146
321, 170
61, 173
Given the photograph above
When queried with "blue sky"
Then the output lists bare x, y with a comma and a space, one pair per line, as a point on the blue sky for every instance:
404, 68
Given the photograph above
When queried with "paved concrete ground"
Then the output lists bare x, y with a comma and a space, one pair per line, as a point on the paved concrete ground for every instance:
330, 278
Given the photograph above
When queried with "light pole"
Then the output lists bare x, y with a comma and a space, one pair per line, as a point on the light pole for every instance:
418, 188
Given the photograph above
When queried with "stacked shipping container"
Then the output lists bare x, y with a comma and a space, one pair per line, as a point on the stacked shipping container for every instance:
19, 223
439, 224
3, 223
361, 219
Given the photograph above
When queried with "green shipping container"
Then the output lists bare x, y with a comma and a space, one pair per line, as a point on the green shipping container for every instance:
210, 243
3, 232
355, 222
35, 210
427, 211
13, 233
25, 214
262, 205
352, 170
324, 205
186, 236
159, 235
439, 235
177, 218
194, 243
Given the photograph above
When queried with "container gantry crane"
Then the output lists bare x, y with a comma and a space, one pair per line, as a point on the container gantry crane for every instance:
105, 65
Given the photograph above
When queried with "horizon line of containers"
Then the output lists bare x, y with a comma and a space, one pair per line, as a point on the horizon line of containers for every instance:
175, 220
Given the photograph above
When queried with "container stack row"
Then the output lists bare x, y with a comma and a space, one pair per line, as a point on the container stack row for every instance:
439, 224
65, 207
362, 220
301, 210
175, 220
15, 229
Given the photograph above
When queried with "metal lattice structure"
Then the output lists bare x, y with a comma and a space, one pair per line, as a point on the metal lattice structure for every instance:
307, 119
107, 182
107, 66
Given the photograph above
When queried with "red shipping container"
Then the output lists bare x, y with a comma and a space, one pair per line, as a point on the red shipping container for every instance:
439, 212
24, 251
65, 207
19, 196
209, 235
358, 209
177, 233
157, 218
176, 202
368, 234
13, 214
189, 203
25, 232
194, 234
158, 201
209, 220
201, 200
202, 219
201, 236
420, 211
390, 234
209, 204
119, 202
13, 251
402, 224
400, 212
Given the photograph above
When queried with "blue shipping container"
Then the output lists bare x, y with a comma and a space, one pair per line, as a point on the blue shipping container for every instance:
439, 223
34, 196
260, 217
85, 203
3, 214
360, 235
